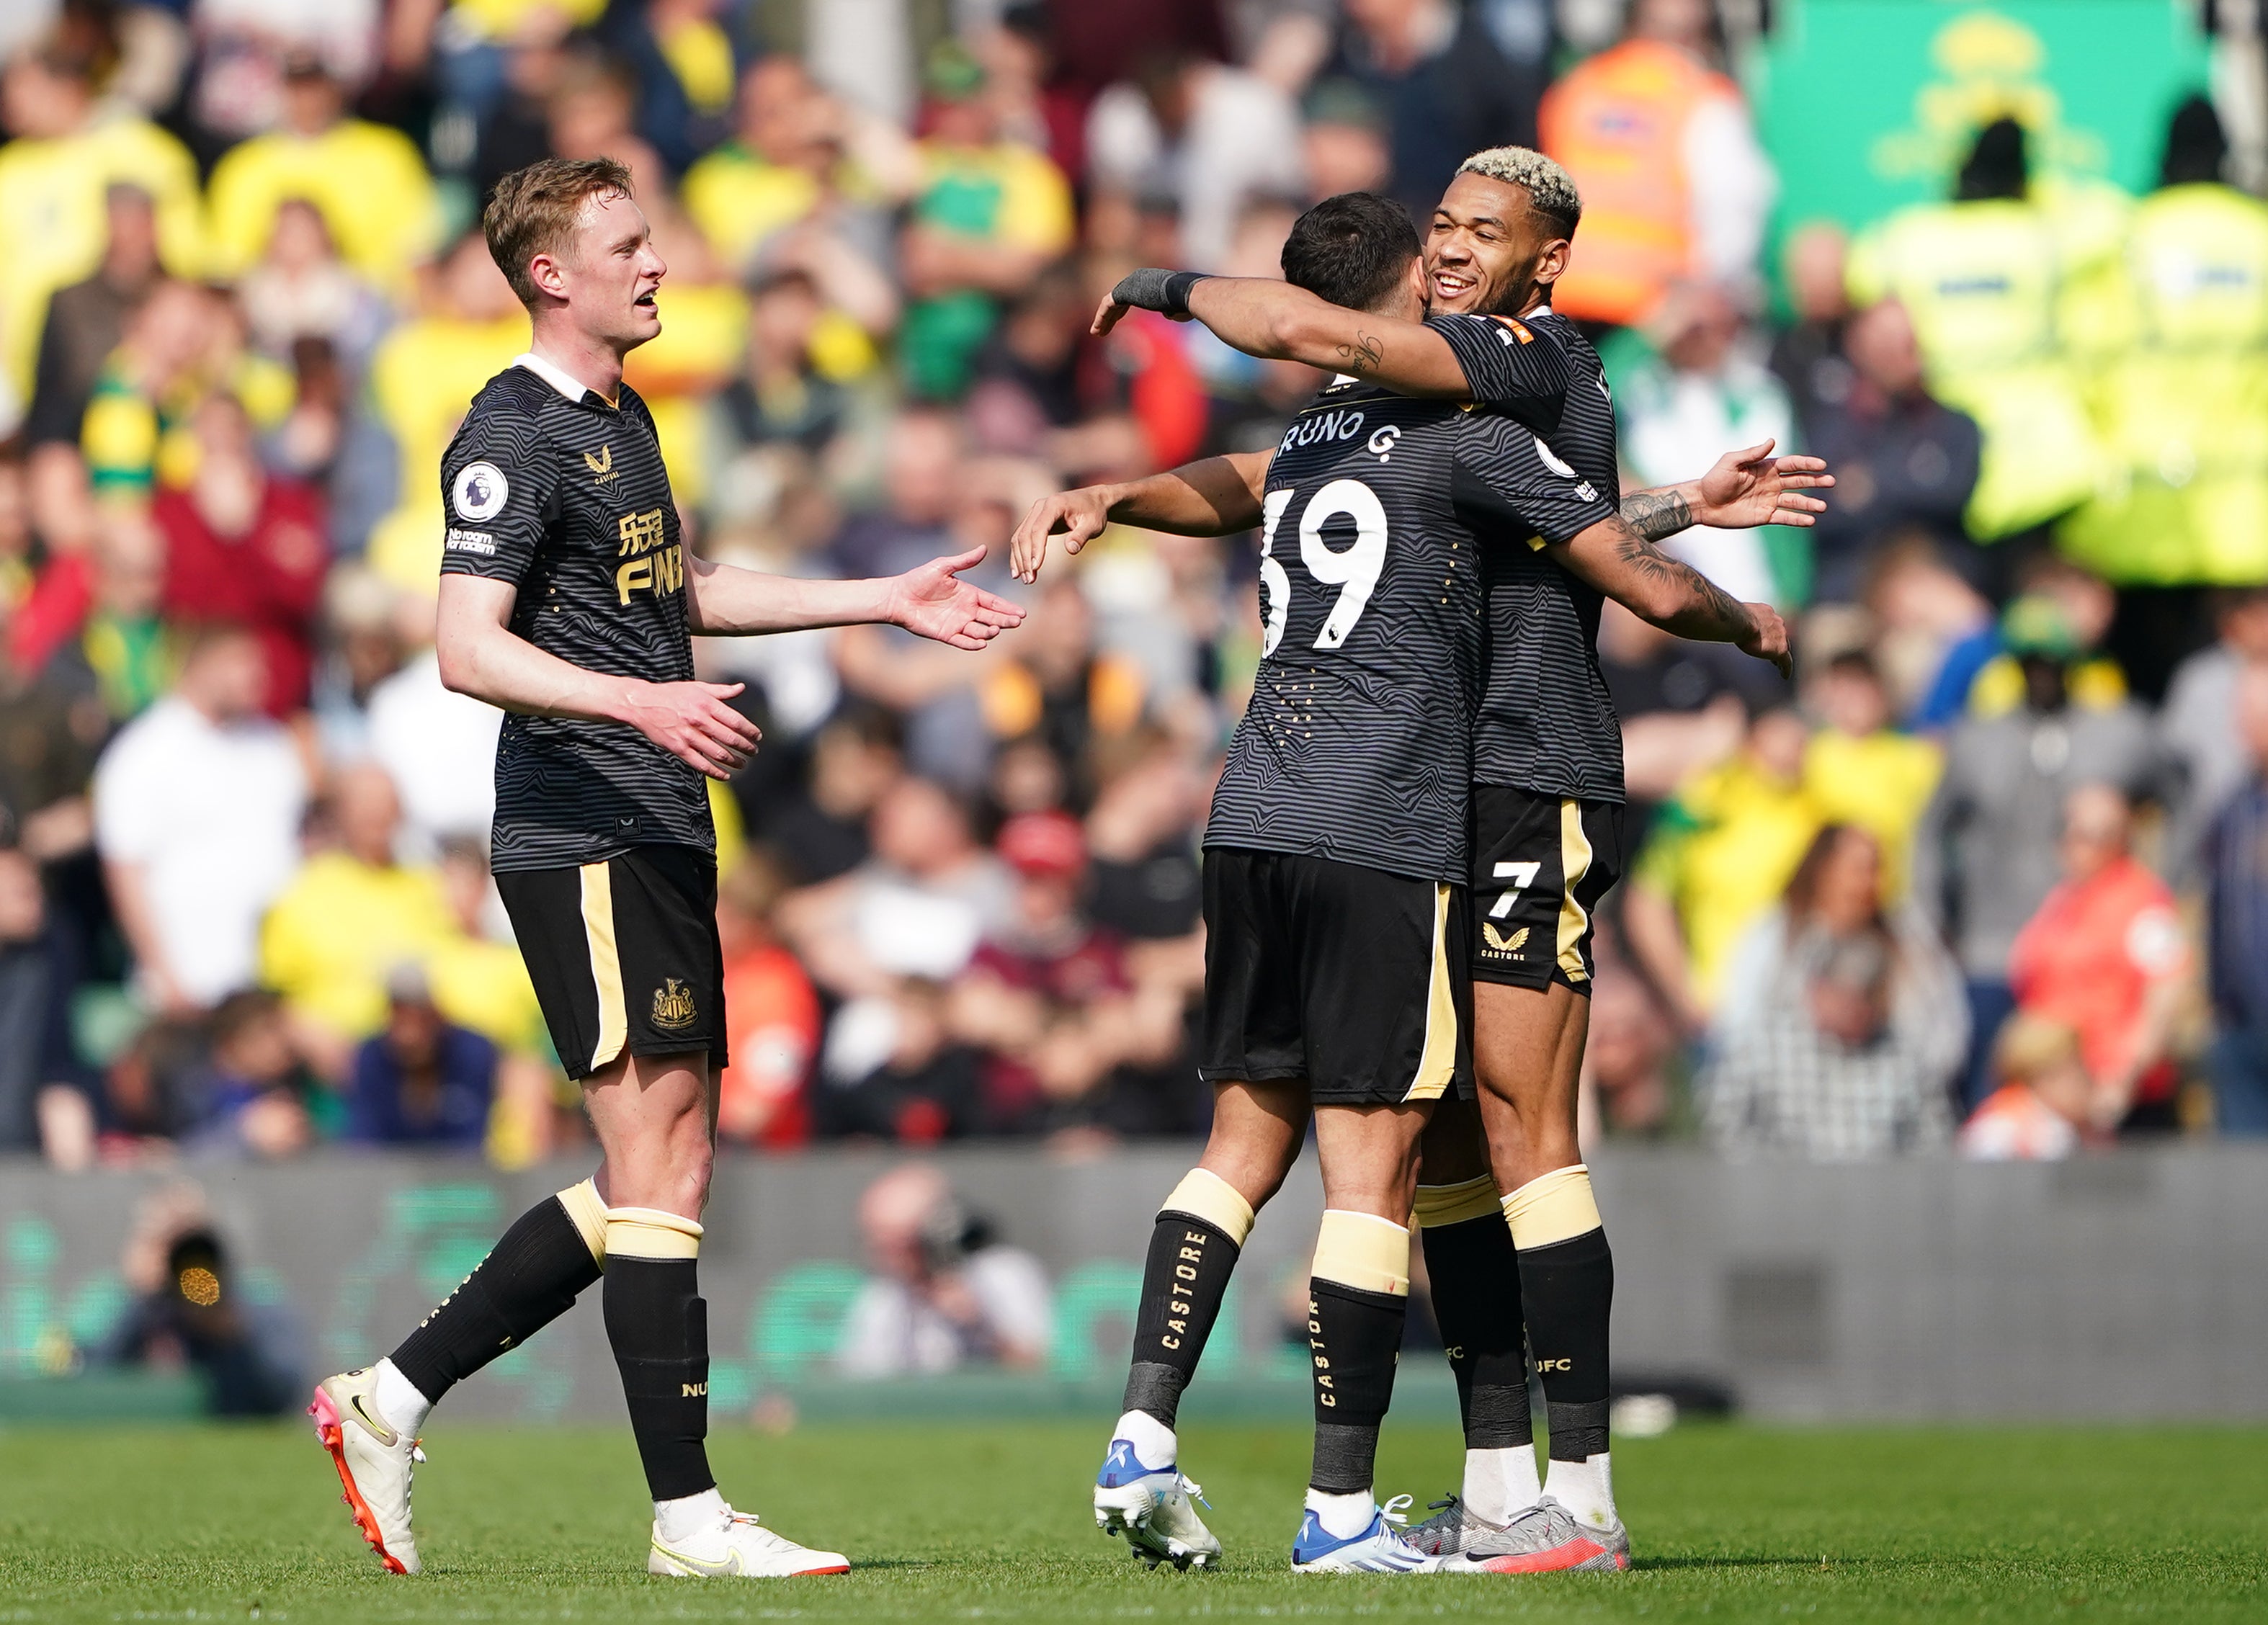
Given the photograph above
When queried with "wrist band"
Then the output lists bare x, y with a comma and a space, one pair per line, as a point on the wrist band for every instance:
1151, 289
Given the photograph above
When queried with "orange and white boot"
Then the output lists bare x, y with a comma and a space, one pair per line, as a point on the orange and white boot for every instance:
374, 1459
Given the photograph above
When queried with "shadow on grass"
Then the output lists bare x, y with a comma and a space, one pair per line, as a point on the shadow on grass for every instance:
1665, 1564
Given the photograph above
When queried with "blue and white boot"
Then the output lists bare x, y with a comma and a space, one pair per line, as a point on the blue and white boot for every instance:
1381, 1548
1152, 1507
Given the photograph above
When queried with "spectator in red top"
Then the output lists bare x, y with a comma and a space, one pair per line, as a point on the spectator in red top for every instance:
772, 1012
245, 549
2105, 956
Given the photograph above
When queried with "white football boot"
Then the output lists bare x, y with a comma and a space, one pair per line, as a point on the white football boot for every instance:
1151, 1507
1381, 1548
736, 1545
374, 1462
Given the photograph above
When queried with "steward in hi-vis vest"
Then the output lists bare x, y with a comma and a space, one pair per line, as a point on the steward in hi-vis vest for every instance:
2181, 400
1985, 279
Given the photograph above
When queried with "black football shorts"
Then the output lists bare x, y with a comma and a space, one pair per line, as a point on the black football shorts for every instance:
1541, 864
1347, 977
623, 954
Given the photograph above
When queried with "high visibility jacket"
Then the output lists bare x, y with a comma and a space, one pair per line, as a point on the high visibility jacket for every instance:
1984, 282
1616, 124
2181, 401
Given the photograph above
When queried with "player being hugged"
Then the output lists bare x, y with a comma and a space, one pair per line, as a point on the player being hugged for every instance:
568, 599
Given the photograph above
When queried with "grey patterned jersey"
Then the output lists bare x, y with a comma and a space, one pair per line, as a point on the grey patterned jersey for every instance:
569, 500
1546, 723
1357, 743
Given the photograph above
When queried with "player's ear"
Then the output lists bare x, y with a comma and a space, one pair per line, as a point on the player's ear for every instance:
1553, 262
545, 271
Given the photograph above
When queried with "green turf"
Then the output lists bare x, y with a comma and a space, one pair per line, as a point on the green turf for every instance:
971, 1522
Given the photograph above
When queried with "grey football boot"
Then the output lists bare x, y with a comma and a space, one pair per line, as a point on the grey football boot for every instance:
1544, 1539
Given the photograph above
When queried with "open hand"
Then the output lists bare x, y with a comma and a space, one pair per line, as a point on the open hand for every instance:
1767, 639
932, 601
1751, 486
692, 724
1078, 517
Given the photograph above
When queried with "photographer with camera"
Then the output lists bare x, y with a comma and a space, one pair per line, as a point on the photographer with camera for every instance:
944, 1293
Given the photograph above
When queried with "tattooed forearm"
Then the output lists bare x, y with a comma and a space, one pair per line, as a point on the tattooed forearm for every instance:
1656, 514
1679, 598
1363, 355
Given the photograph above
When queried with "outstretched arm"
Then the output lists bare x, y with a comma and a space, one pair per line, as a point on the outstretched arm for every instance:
931, 600
1216, 496
1745, 489
1278, 322
1614, 557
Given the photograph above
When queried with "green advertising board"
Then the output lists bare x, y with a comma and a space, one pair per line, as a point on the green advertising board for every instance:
1867, 105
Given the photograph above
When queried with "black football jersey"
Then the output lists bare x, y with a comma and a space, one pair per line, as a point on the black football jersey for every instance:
1357, 745
569, 500
1546, 723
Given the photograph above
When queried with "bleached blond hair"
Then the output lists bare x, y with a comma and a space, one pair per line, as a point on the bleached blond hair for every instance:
1551, 189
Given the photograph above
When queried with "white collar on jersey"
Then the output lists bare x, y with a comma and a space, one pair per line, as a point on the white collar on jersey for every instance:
565, 382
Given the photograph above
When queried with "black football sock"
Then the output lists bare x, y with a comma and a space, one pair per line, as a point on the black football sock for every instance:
1567, 1292
658, 1327
529, 1279
1475, 1273
1357, 1300
1193, 1250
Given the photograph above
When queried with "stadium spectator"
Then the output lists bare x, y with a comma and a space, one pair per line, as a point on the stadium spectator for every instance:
1659, 140
250, 1095
763, 1097
245, 547
1985, 857
820, 825
2235, 868
2203, 725
944, 1291
366, 180
2105, 956
419, 1080
1837, 1035
1807, 353
1693, 388
34, 1040
2044, 1109
772, 174
55, 175
1451, 80
1719, 854
87, 320
192, 1312
918, 907
1203, 136
894, 1069
439, 749
1863, 772
347, 918
1904, 464
988, 216
196, 816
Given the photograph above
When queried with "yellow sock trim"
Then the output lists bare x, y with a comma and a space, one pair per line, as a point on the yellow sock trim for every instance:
1557, 1206
590, 1215
1205, 1195
1455, 1204
649, 1232
1363, 1250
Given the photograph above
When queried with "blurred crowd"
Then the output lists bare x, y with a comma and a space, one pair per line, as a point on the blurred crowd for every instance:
1991, 874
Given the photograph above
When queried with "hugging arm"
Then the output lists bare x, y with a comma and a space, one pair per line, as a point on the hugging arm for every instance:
1215, 496
1615, 558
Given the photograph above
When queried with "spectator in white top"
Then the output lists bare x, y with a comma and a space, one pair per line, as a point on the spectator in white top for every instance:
2200, 722
439, 750
196, 816
944, 1291
1209, 138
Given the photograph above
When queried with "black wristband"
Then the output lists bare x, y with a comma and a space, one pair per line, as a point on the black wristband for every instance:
1151, 289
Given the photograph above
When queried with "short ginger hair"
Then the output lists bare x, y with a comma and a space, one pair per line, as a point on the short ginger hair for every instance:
534, 211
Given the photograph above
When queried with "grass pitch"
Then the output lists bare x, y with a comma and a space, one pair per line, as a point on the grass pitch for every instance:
1729, 1523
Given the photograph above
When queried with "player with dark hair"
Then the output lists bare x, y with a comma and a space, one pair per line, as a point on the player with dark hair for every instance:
568, 599
1514, 1245
1334, 895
